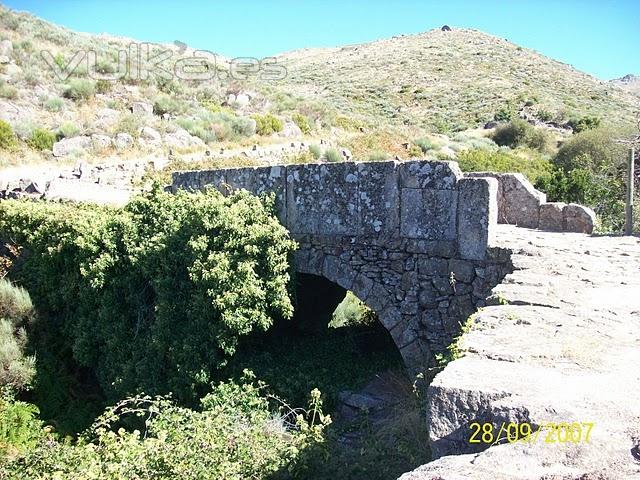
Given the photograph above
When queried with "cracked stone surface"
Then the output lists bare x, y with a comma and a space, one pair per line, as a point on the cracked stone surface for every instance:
561, 344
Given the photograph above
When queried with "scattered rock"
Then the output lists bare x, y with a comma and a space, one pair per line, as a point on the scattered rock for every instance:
149, 137
6, 47
290, 129
142, 108
68, 146
100, 142
123, 141
182, 139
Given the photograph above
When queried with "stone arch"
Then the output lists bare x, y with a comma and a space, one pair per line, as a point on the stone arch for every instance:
415, 353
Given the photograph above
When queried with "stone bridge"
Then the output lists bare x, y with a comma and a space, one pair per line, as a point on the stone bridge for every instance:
410, 239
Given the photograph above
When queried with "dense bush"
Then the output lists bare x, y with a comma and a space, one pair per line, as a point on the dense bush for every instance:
7, 137
235, 435
54, 104
584, 123
590, 169
267, 124
518, 133
42, 139
527, 162
167, 104
424, 144
16, 311
302, 122
332, 155
154, 296
8, 91
68, 130
316, 151
79, 89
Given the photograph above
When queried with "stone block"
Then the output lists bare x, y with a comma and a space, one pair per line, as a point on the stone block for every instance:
428, 214
378, 198
578, 218
552, 217
477, 216
430, 174
321, 199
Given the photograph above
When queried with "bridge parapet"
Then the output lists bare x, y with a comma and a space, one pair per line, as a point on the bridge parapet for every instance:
427, 202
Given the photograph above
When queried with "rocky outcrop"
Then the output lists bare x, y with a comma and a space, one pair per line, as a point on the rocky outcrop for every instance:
182, 139
559, 345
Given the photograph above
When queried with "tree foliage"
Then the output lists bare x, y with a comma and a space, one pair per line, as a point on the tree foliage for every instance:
154, 296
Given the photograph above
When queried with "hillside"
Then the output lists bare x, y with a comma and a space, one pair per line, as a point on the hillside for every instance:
449, 79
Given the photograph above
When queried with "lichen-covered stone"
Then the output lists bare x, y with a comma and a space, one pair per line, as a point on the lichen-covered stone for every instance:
477, 216
552, 216
578, 218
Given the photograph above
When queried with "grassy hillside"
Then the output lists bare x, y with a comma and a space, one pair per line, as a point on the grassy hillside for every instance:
450, 80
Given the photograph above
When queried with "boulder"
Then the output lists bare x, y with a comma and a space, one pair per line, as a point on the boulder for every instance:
123, 141
142, 108
4, 59
182, 139
346, 153
106, 117
243, 100
68, 146
6, 47
149, 137
552, 217
579, 219
290, 129
100, 142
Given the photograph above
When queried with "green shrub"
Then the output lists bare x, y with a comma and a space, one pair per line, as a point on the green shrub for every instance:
236, 432
352, 311
167, 104
544, 115
7, 137
42, 139
424, 144
103, 86
504, 114
128, 123
267, 124
16, 311
20, 430
154, 296
378, 156
584, 123
332, 155
511, 134
302, 122
68, 130
54, 104
316, 151
519, 133
8, 91
80, 89
531, 164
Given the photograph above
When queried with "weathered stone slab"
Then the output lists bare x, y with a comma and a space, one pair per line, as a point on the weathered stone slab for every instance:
378, 198
552, 217
428, 214
477, 216
578, 218
429, 174
322, 199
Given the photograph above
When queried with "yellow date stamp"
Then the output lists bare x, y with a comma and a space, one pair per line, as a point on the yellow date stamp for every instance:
550, 432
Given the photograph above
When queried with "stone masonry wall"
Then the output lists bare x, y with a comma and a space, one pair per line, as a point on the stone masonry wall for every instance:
519, 203
410, 239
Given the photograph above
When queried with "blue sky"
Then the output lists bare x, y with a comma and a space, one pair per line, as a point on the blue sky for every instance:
598, 37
